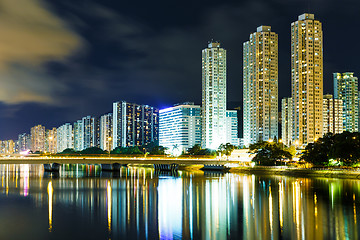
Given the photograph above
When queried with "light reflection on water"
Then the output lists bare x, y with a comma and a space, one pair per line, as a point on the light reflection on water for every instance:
138, 203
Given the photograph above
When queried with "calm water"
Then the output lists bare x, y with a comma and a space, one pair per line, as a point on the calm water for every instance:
83, 203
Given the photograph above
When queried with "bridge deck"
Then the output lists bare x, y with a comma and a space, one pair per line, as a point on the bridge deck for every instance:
95, 160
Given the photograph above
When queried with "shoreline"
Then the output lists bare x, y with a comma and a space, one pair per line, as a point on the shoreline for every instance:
299, 172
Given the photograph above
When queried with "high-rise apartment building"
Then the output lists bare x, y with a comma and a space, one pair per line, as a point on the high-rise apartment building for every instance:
7, 147
89, 132
213, 109
65, 137
346, 89
332, 115
307, 79
78, 135
286, 121
134, 124
38, 138
106, 132
232, 127
180, 127
51, 140
260, 79
24, 142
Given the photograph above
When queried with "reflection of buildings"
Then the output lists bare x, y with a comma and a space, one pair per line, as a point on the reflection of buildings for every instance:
138, 204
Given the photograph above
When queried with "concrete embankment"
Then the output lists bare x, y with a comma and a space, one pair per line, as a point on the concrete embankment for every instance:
299, 172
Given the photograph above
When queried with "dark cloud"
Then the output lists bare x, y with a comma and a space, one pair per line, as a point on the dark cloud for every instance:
150, 52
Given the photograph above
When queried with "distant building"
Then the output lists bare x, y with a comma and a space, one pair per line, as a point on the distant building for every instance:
232, 128
78, 135
213, 107
307, 79
38, 138
106, 132
89, 132
260, 77
180, 127
7, 147
286, 121
332, 115
346, 89
51, 140
24, 142
65, 137
134, 124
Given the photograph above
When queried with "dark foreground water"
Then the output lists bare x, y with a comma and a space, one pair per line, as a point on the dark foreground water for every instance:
84, 203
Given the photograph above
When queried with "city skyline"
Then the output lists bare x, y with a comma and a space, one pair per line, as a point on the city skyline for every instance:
84, 89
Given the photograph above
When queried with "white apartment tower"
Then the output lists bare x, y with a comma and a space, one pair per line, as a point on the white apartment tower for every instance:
106, 132
346, 89
180, 127
232, 127
213, 109
307, 79
65, 137
260, 79
332, 115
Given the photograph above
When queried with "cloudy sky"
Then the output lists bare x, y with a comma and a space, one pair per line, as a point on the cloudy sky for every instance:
61, 60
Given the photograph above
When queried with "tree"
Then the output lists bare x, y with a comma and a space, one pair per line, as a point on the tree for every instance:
194, 150
226, 149
69, 151
268, 154
93, 150
158, 150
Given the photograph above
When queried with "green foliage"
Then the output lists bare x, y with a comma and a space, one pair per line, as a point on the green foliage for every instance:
344, 148
127, 150
196, 150
268, 153
158, 150
93, 150
69, 151
226, 149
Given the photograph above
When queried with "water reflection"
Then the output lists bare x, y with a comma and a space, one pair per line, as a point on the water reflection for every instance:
139, 203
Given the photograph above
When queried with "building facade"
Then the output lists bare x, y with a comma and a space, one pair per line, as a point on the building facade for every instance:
332, 115
307, 79
89, 132
180, 127
51, 140
260, 79
37, 138
105, 138
346, 90
213, 107
7, 147
24, 142
232, 135
65, 137
286, 121
134, 124
78, 135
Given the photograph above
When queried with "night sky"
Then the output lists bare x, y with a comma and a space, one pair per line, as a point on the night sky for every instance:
61, 60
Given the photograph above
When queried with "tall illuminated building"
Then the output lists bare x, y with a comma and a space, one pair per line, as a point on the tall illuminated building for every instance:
286, 121
332, 115
134, 124
89, 132
65, 137
78, 135
232, 127
307, 79
213, 109
106, 132
260, 79
38, 138
346, 89
51, 140
24, 142
180, 127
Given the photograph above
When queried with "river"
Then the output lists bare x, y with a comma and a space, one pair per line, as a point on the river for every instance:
82, 202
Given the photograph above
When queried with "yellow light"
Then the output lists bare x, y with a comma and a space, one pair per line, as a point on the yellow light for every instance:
270, 140
280, 140
50, 193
